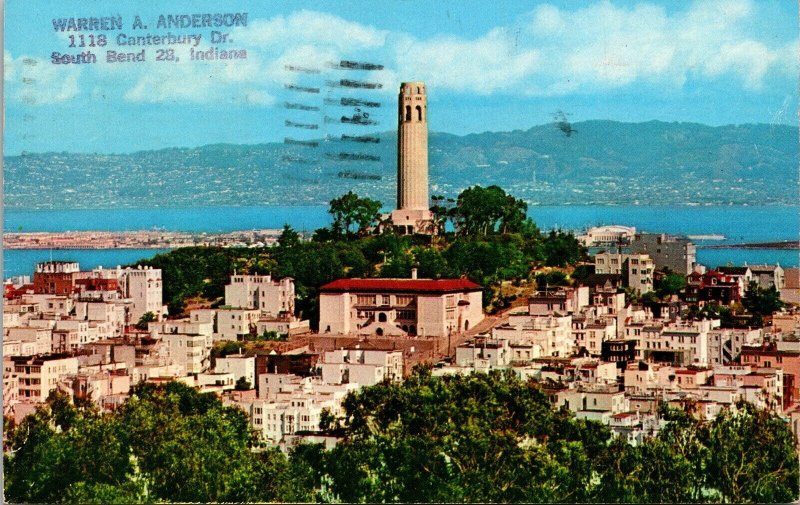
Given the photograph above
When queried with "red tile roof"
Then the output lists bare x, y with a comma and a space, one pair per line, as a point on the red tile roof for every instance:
400, 285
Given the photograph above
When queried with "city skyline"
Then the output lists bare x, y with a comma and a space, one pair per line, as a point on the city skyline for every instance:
495, 67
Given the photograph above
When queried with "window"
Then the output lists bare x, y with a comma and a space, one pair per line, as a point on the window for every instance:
408, 113
404, 300
365, 299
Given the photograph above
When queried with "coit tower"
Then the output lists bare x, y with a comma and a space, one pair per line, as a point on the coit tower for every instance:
413, 210
412, 147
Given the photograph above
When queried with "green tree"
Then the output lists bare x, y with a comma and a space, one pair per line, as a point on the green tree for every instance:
551, 279
669, 284
483, 211
752, 457
288, 238
242, 384
350, 210
487, 437
760, 302
147, 317
442, 211
561, 249
166, 443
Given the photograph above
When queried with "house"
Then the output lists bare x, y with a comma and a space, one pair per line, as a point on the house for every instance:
619, 351
240, 366
597, 403
400, 307
713, 286
191, 352
141, 285
39, 375
549, 335
561, 300
272, 297
790, 292
636, 270
365, 367
742, 275
57, 277
483, 352
769, 356
675, 253
768, 276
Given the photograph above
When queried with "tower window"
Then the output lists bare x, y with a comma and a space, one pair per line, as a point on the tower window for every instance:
419, 113
408, 113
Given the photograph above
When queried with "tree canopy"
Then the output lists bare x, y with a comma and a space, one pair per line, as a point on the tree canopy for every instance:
494, 438
166, 443
479, 438
351, 210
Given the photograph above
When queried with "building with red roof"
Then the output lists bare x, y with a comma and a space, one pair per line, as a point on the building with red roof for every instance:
713, 286
400, 307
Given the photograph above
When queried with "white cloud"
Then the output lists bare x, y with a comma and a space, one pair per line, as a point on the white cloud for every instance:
310, 27
35, 81
304, 38
482, 66
605, 46
549, 51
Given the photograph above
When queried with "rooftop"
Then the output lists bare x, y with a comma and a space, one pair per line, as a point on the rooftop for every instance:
400, 286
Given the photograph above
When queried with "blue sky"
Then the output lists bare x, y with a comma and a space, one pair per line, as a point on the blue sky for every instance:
488, 66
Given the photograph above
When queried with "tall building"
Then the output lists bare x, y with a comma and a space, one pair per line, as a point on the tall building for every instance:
57, 277
636, 269
271, 297
413, 213
142, 285
676, 253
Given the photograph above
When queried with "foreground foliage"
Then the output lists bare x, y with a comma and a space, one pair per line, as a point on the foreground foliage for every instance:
165, 443
482, 438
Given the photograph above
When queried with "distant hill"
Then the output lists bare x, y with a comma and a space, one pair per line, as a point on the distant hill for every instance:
599, 163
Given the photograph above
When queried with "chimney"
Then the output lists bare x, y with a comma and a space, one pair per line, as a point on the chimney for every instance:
414, 273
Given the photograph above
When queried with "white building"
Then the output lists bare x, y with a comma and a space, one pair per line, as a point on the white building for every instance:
191, 352
41, 338
240, 366
560, 300
400, 307
597, 404
234, 322
39, 375
607, 235
289, 404
271, 297
485, 353
550, 335
142, 285
687, 342
365, 367
635, 269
